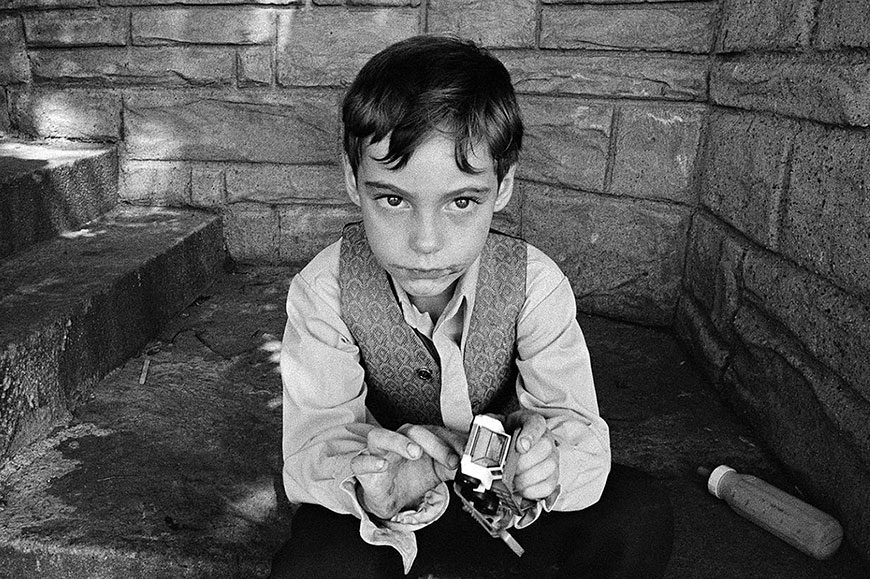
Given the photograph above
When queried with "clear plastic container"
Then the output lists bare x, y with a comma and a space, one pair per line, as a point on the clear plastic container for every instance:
799, 524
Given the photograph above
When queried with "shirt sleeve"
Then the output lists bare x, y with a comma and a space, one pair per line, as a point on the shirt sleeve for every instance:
555, 380
325, 421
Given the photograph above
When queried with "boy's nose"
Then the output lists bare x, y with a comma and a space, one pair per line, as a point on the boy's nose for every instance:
427, 236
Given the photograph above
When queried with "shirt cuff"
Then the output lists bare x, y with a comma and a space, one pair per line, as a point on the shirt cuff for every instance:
541, 505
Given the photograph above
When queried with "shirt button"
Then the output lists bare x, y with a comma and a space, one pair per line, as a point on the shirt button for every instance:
424, 374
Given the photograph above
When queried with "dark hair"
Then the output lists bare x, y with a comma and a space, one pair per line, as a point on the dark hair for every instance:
433, 83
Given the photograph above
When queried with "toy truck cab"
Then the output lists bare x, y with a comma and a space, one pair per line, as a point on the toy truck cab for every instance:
485, 453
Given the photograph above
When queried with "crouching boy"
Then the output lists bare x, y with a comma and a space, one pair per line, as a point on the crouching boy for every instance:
419, 318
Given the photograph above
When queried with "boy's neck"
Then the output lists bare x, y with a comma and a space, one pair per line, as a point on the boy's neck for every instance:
433, 305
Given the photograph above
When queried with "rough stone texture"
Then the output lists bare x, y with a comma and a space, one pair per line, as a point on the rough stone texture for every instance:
656, 148
843, 23
674, 28
194, 65
713, 271
622, 257
46, 189
252, 232
5, 126
254, 66
78, 306
566, 141
669, 77
328, 47
765, 25
828, 88
14, 66
782, 405
708, 348
833, 325
151, 3
826, 217
492, 23
265, 126
109, 27
19, 4
157, 183
72, 113
235, 25
281, 184
208, 185
307, 230
745, 172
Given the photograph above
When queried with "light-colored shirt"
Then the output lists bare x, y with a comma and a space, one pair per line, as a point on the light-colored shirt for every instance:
326, 421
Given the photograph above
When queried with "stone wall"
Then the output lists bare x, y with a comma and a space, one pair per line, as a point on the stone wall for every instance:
236, 109
776, 294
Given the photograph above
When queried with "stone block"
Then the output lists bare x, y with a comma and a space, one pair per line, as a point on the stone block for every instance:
5, 126
295, 126
203, 25
700, 337
491, 23
824, 87
329, 46
714, 261
44, 4
252, 233
843, 23
187, 65
254, 66
792, 414
105, 27
73, 113
155, 183
207, 3
47, 189
674, 28
306, 229
381, 2
624, 258
208, 185
282, 184
745, 172
671, 77
14, 66
74, 308
765, 25
833, 325
826, 215
655, 152
566, 141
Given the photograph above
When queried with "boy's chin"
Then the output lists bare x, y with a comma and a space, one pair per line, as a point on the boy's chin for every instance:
427, 288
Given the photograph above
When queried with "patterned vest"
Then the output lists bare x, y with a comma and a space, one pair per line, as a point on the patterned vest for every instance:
402, 372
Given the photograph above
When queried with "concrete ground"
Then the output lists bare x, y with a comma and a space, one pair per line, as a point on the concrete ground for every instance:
174, 470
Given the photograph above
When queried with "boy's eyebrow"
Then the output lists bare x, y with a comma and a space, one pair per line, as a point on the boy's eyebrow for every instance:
401, 192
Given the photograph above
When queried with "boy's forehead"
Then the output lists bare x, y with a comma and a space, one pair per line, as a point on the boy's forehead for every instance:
435, 148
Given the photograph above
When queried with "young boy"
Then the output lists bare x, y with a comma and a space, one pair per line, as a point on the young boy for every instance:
420, 318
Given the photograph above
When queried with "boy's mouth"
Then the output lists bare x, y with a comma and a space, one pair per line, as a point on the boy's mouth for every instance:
426, 273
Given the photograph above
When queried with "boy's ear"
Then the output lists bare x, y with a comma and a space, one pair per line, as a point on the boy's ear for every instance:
350, 180
505, 189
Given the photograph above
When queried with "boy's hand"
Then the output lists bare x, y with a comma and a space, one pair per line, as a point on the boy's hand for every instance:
537, 474
398, 468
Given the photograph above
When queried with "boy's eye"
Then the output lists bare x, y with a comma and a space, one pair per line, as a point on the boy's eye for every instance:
393, 200
464, 202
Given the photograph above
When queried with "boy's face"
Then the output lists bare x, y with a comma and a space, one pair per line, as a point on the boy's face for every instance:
427, 222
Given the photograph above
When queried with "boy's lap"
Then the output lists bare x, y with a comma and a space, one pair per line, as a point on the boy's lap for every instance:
633, 518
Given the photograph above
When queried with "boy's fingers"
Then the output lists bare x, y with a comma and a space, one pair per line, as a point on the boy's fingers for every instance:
381, 440
533, 428
432, 444
364, 464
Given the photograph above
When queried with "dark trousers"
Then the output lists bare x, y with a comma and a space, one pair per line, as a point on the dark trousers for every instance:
627, 534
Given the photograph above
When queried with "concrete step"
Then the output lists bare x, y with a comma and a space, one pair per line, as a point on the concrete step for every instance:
47, 188
179, 476
75, 307
176, 475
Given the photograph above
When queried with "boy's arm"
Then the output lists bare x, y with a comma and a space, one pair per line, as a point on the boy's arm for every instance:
330, 442
555, 381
